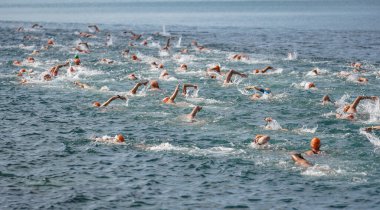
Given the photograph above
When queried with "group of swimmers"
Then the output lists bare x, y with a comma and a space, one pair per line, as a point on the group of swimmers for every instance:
348, 112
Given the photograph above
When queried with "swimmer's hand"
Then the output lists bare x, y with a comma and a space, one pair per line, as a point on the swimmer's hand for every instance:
121, 97
250, 87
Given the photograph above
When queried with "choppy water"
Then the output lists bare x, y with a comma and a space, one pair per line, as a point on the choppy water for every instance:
49, 160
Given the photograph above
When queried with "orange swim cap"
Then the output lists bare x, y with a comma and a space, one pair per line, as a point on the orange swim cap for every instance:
165, 100
120, 138
97, 104
154, 84
315, 143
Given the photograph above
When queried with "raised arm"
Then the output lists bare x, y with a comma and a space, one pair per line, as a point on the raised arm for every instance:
167, 44
359, 98
113, 98
266, 69
194, 112
136, 87
185, 86
174, 95
232, 72
372, 128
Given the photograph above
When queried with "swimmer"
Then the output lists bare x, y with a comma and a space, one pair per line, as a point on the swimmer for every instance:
144, 42
21, 72
54, 69
238, 57
372, 128
193, 113
134, 36
117, 139
299, 160
35, 52
185, 86
170, 100
215, 69
199, 47
266, 92
326, 100
106, 61
315, 144
272, 124
166, 47
17, 63
47, 77
93, 28
125, 53
164, 74
353, 77
356, 65
82, 85
87, 35
136, 87
76, 60
262, 71
154, 85
135, 58
36, 26
97, 104
315, 72
83, 47
261, 139
309, 85
351, 108
156, 65
132, 77
231, 73
50, 42
183, 67
30, 60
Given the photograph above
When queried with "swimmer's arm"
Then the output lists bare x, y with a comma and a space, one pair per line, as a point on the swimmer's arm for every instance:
266, 69
232, 72
359, 98
174, 95
167, 44
113, 98
372, 128
254, 87
185, 86
195, 111
136, 87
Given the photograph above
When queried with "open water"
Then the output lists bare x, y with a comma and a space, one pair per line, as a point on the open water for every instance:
48, 158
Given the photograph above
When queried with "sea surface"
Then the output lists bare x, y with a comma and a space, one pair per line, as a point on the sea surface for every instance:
49, 158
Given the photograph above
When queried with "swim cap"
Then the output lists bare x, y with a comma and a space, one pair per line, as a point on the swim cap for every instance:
165, 100
120, 138
260, 139
315, 143
76, 56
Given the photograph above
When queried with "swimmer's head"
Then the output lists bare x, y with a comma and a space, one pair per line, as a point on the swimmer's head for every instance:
161, 66
310, 85
315, 143
261, 139
165, 100
183, 66
154, 84
120, 138
132, 77
257, 71
346, 107
96, 104
47, 77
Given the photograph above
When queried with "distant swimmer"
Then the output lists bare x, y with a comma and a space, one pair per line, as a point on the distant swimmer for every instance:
17, 63
83, 47
154, 85
136, 87
97, 104
315, 144
50, 42
144, 42
30, 60
185, 86
93, 28
132, 77
156, 65
265, 92
76, 60
353, 77
134, 35
54, 70
262, 71
81, 85
36, 26
87, 35
356, 65
108, 40
230, 74
135, 58
272, 124
308, 85
164, 75
20, 29
170, 100
193, 113
299, 160
261, 139
106, 61
198, 47
372, 128
326, 100
183, 67
214, 69
166, 47
239, 57
117, 139
125, 53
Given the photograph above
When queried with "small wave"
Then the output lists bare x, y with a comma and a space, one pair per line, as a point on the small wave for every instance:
371, 137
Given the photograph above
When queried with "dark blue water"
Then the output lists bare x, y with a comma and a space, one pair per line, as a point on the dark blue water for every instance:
49, 159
